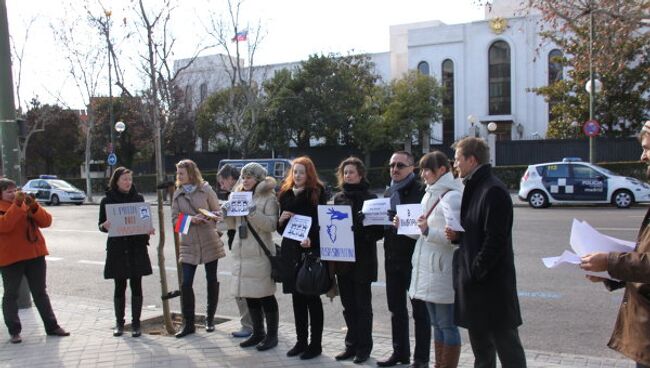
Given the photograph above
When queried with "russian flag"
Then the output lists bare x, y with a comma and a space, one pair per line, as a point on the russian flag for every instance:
183, 223
241, 36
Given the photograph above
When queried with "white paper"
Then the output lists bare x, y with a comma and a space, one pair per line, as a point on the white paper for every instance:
336, 236
375, 212
451, 220
573, 260
297, 228
408, 218
239, 202
585, 240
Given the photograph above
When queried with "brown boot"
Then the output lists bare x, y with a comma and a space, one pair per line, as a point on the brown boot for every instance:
438, 348
450, 356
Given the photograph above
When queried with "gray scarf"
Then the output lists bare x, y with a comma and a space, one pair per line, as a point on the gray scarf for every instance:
395, 187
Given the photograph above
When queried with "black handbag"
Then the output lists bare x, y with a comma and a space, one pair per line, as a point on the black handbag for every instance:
276, 260
313, 277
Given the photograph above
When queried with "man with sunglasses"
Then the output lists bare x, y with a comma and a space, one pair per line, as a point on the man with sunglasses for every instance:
405, 188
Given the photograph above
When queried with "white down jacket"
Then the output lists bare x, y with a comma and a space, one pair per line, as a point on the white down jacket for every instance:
431, 278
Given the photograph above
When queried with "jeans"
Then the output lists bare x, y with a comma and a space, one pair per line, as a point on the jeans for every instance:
34, 270
442, 319
639, 365
189, 270
487, 344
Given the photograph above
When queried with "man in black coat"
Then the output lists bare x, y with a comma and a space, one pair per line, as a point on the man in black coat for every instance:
405, 188
484, 268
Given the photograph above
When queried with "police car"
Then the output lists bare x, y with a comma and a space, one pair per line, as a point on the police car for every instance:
49, 189
572, 181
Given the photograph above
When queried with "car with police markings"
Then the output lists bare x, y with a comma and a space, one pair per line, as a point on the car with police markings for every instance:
53, 191
572, 181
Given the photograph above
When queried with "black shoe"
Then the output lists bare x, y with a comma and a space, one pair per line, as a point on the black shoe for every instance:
118, 330
136, 331
188, 328
297, 349
16, 339
311, 352
345, 355
359, 359
418, 364
58, 332
253, 340
394, 360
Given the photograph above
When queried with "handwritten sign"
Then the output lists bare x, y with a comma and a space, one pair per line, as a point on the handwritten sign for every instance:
239, 202
375, 212
129, 219
297, 228
336, 237
408, 218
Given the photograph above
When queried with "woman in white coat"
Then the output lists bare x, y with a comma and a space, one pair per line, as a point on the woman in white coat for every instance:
251, 268
431, 279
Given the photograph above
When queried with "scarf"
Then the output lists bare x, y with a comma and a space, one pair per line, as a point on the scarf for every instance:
189, 188
395, 187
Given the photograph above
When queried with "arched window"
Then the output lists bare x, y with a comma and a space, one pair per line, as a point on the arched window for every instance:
448, 111
555, 68
499, 78
203, 91
423, 67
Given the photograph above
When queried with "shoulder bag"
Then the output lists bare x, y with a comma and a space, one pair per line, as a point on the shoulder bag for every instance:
276, 260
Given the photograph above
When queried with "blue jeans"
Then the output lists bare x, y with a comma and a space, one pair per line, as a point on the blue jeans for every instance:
189, 270
442, 319
639, 365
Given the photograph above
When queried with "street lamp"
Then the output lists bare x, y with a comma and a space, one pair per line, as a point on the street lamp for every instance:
119, 128
592, 85
576, 126
108, 14
492, 127
473, 127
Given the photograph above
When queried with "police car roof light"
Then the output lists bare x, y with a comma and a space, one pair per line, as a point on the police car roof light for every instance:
571, 159
47, 177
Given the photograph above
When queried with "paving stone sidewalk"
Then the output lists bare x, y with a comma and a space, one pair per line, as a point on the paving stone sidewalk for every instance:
92, 345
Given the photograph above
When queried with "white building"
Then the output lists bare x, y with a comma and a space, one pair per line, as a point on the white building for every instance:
487, 66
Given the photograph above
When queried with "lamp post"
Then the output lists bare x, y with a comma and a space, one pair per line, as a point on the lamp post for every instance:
108, 14
591, 85
472, 122
119, 128
492, 127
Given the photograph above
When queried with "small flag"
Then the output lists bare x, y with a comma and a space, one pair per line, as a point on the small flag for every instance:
240, 36
183, 223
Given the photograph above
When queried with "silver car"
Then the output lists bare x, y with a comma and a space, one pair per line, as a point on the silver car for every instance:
53, 191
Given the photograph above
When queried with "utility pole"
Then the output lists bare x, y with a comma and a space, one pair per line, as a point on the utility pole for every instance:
9, 126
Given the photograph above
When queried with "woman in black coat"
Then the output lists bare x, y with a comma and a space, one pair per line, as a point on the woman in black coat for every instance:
301, 194
354, 278
127, 257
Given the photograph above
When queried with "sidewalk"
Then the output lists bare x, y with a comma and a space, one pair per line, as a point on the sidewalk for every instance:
92, 345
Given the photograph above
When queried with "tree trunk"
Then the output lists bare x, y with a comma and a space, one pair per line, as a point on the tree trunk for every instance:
426, 141
87, 156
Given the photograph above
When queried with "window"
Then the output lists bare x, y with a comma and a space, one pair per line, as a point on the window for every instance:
499, 78
556, 171
203, 91
584, 172
278, 170
423, 67
448, 102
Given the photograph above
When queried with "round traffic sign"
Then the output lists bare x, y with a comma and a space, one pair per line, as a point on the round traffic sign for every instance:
112, 159
591, 128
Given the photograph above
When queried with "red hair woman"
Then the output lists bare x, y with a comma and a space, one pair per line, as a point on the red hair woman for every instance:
300, 194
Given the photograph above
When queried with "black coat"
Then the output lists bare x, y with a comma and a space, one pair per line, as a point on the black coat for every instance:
484, 267
365, 238
291, 251
126, 256
398, 249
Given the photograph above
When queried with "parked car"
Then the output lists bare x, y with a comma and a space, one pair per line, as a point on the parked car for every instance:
572, 181
275, 167
51, 190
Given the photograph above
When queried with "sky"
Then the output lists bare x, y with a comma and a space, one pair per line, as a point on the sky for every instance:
293, 30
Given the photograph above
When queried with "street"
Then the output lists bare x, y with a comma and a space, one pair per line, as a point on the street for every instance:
562, 311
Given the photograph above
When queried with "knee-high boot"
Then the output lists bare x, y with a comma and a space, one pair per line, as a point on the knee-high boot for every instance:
450, 356
119, 304
271, 339
257, 316
136, 312
213, 300
438, 349
187, 301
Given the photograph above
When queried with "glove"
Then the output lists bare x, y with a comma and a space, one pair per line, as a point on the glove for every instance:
251, 208
225, 208
20, 197
391, 214
30, 201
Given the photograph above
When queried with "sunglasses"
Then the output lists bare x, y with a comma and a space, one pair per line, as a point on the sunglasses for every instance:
398, 165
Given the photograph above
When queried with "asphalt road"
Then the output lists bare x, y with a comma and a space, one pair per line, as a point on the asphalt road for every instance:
562, 311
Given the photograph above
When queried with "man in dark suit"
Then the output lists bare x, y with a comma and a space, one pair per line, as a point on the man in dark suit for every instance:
484, 269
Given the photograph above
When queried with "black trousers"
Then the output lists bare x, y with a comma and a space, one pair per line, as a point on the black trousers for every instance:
422, 331
397, 285
506, 343
308, 309
356, 298
34, 271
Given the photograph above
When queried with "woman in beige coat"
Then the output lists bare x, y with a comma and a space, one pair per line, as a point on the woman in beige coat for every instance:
251, 270
201, 244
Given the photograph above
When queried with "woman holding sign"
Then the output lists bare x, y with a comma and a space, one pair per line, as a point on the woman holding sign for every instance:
431, 278
354, 279
300, 194
127, 257
195, 210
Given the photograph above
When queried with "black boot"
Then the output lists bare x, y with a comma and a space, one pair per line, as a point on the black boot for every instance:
118, 304
257, 316
271, 339
187, 301
136, 311
213, 300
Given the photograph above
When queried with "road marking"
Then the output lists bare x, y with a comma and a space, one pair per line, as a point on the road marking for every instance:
98, 263
539, 294
71, 231
52, 259
617, 228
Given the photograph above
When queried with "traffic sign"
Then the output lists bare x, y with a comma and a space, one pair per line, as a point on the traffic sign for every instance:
112, 159
591, 128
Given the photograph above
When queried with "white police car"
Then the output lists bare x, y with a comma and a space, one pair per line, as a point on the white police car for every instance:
575, 182
49, 189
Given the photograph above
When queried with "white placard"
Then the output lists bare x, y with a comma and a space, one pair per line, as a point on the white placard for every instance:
408, 218
451, 217
239, 202
129, 219
297, 228
375, 212
336, 236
